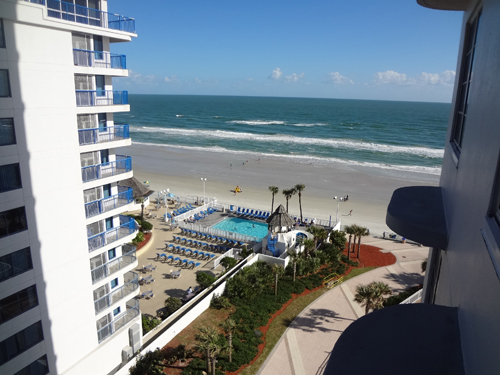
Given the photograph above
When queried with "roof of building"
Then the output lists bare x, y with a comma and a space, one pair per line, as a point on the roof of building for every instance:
280, 218
139, 189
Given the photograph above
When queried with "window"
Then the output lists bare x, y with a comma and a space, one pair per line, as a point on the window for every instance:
466, 76
105, 156
7, 133
86, 122
2, 36
15, 263
91, 195
39, 367
4, 84
98, 47
106, 189
20, 342
109, 223
10, 177
83, 82
99, 85
111, 254
102, 118
114, 283
12, 221
17, 303
95, 228
116, 311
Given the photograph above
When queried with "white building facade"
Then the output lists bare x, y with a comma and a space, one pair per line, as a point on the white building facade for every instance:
67, 280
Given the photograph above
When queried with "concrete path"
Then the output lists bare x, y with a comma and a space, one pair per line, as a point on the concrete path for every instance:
304, 348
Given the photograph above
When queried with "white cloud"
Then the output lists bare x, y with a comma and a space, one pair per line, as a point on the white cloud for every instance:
445, 78
338, 79
276, 74
172, 78
392, 77
294, 77
249, 79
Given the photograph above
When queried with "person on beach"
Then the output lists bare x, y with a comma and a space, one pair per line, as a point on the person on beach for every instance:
237, 189
350, 213
230, 165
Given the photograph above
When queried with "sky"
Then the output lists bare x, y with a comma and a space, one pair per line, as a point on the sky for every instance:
351, 49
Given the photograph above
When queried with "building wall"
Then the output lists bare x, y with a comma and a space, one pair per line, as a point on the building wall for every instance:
467, 278
39, 57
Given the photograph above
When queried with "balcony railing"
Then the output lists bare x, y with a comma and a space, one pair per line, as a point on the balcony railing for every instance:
104, 134
93, 98
99, 59
127, 227
120, 321
110, 203
115, 265
89, 16
130, 283
123, 164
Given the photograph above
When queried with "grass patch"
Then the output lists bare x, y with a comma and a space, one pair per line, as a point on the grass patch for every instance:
281, 323
358, 271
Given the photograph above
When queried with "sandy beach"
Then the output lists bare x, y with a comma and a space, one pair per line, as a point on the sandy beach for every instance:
369, 189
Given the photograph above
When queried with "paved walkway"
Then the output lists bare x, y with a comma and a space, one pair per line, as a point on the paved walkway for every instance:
305, 347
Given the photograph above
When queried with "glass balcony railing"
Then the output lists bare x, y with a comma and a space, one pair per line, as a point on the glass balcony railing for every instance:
125, 196
94, 98
115, 265
120, 321
104, 134
123, 164
130, 283
127, 227
88, 16
99, 59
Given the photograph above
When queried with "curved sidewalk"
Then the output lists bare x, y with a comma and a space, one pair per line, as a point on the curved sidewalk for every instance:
306, 345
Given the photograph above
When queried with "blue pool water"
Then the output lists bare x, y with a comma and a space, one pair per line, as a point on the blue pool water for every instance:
242, 226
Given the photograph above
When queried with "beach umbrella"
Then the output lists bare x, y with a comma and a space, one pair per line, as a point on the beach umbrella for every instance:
170, 195
280, 218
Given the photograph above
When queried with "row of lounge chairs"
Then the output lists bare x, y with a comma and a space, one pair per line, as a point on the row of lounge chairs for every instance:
176, 261
205, 236
183, 210
256, 214
187, 252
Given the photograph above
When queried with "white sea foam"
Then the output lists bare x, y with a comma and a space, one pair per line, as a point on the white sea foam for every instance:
179, 115
309, 125
289, 139
257, 122
307, 159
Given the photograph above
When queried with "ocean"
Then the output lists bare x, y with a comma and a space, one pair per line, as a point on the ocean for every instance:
402, 136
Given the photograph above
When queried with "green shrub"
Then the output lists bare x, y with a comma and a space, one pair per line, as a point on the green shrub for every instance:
138, 239
398, 298
172, 304
220, 302
149, 364
205, 279
149, 322
228, 263
146, 225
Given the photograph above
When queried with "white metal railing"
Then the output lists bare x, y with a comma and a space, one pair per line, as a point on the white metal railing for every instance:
220, 233
131, 280
120, 321
115, 265
233, 253
416, 297
190, 213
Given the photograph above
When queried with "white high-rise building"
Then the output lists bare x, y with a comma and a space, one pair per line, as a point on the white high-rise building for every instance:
67, 284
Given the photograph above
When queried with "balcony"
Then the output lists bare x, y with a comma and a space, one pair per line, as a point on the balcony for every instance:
95, 98
123, 164
125, 196
99, 59
127, 227
115, 265
130, 284
88, 16
120, 321
102, 135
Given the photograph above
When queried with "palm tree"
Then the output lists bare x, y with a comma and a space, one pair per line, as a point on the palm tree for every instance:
294, 256
319, 234
278, 271
229, 326
350, 230
288, 193
309, 245
299, 188
141, 201
371, 296
208, 342
274, 190
361, 232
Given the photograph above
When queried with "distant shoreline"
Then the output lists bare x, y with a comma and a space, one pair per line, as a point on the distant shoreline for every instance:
180, 170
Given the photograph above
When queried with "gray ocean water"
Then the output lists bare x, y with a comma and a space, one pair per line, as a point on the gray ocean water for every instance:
404, 136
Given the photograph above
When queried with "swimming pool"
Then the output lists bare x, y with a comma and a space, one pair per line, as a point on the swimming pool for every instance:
243, 226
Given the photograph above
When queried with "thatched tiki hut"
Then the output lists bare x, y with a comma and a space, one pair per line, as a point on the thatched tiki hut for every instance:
280, 221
